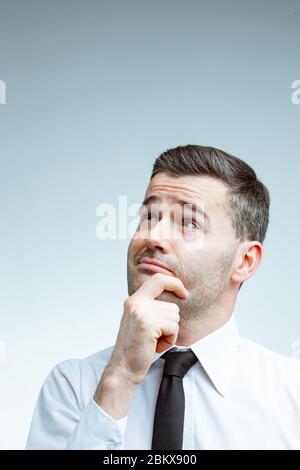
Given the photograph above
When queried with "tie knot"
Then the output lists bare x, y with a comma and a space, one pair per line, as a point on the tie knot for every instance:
178, 362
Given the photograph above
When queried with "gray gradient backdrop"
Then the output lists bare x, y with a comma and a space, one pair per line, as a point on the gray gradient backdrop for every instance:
95, 91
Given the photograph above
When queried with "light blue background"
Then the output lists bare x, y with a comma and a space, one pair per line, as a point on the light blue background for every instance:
95, 91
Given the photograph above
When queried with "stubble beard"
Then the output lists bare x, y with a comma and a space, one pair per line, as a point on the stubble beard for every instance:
206, 286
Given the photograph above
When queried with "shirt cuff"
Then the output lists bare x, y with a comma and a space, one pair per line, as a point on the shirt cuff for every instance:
98, 430
121, 423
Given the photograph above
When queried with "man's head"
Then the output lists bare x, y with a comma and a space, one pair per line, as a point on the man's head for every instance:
215, 243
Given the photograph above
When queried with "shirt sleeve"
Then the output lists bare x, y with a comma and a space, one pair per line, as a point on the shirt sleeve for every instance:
59, 422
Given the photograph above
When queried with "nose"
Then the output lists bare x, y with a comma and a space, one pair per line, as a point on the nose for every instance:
158, 236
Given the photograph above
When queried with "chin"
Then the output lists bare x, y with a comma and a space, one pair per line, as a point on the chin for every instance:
168, 297
134, 285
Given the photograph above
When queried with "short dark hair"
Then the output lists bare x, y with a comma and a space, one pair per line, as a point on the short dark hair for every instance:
248, 197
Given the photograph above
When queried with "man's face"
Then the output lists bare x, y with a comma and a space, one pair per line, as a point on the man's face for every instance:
198, 249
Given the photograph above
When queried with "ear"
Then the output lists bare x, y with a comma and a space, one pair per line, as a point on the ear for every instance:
249, 257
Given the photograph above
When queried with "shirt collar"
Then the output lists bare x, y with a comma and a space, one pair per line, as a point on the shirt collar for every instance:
217, 354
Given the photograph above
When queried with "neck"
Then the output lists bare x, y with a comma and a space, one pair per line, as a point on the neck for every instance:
191, 331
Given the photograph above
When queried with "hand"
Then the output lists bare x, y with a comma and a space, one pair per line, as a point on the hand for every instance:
147, 326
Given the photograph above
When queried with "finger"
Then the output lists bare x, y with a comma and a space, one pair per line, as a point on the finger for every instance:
167, 309
168, 337
157, 283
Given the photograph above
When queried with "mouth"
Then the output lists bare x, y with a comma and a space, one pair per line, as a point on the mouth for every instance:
154, 266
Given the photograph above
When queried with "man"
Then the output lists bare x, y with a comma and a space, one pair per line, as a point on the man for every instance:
180, 376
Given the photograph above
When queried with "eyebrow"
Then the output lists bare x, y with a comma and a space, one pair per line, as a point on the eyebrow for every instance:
198, 208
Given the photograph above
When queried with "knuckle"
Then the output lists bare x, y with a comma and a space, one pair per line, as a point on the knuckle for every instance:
175, 308
174, 328
158, 276
130, 306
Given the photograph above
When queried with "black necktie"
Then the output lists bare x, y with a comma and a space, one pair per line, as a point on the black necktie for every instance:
169, 412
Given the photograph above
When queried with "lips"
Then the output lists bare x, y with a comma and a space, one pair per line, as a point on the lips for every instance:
154, 266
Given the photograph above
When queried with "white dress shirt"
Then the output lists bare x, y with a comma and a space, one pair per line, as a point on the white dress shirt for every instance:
239, 395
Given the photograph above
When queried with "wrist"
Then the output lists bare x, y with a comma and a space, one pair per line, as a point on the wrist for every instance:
114, 393
117, 380
118, 374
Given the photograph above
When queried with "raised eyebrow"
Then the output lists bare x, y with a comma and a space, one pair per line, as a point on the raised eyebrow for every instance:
195, 207
150, 199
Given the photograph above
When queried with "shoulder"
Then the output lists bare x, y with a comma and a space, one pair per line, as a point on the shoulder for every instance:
283, 370
76, 379
94, 362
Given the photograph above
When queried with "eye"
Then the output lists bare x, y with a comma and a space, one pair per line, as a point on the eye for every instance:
190, 224
148, 216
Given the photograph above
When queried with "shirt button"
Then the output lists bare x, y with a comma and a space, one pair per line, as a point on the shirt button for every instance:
112, 445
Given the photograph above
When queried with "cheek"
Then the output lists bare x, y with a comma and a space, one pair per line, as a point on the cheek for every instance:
189, 251
135, 246
186, 261
195, 261
193, 241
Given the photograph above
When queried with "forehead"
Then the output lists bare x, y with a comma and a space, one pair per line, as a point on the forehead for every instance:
206, 190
